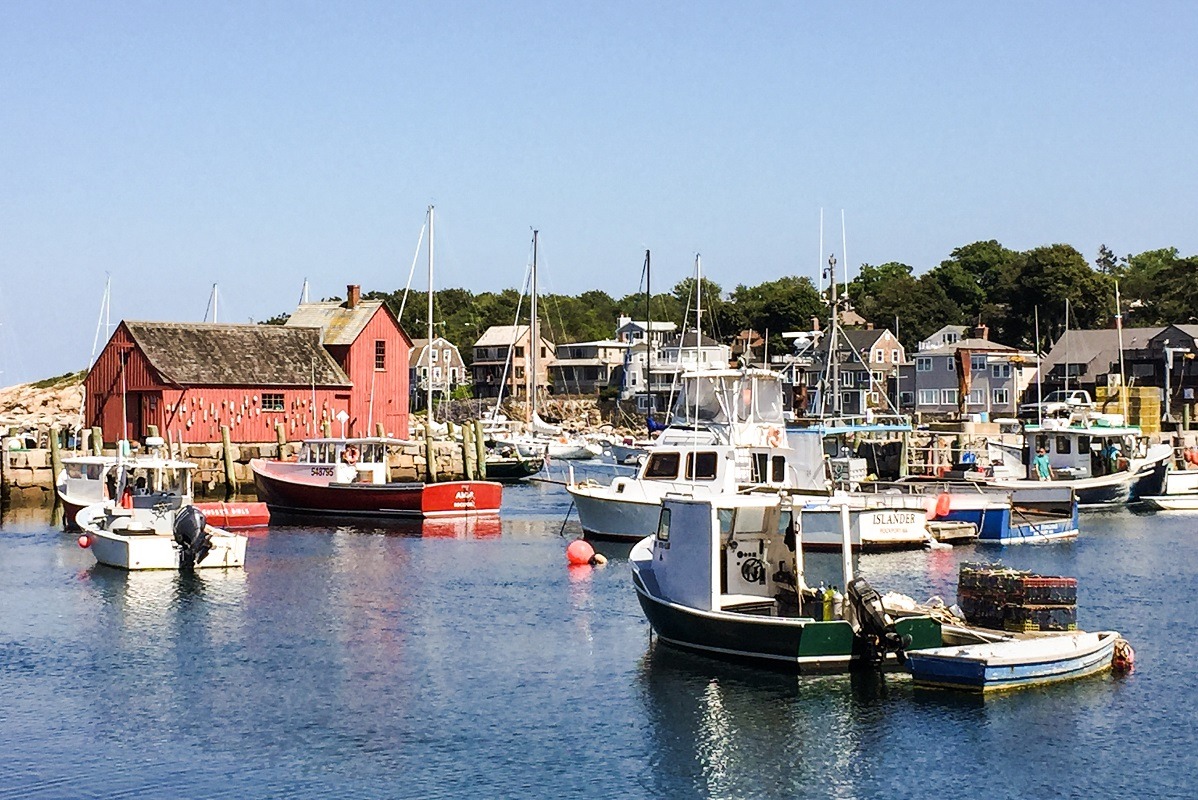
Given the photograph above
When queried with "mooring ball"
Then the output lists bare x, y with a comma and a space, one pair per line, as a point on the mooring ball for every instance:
580, 552
85, 541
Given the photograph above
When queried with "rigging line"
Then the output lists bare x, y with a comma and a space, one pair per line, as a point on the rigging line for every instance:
507, 362
411, 272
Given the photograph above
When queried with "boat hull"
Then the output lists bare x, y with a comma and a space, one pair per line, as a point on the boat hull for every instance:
608, 518
1013, 665
1171, 502
414, 499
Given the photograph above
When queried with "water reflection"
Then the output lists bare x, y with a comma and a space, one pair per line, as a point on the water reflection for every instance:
433, 528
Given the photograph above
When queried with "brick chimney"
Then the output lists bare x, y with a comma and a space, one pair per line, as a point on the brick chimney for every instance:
353, 295
981, 332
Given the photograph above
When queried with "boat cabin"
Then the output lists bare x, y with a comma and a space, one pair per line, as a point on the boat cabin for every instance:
1084, 452
729, 554
349, 460
727, 432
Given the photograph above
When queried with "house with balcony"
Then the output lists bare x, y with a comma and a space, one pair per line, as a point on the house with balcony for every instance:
585, 368
505, 350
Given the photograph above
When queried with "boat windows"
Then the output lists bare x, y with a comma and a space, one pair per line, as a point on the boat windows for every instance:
699, 402
701, 466
662, 466
74, 470
1064, 445
778, 474
663, 528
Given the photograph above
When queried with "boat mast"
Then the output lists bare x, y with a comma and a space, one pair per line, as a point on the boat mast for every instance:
534, 338
833, 330
648, 348
429, 347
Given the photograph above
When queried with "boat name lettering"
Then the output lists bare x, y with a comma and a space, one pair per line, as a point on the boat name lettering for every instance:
325, 471
893, 518
463, 499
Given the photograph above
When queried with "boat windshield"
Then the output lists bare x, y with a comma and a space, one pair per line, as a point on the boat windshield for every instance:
700, 402
760, 400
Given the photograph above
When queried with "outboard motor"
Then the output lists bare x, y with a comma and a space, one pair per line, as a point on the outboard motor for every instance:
192, 536
875, 628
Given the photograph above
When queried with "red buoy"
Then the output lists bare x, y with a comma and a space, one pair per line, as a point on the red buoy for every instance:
580, 552
85, 541
944, 504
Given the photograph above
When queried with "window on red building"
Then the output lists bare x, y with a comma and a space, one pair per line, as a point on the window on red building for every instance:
380, 354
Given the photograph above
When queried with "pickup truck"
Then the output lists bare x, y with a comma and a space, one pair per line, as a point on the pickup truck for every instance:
1060, 403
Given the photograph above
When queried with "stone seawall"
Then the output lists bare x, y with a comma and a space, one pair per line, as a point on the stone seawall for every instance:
27, 479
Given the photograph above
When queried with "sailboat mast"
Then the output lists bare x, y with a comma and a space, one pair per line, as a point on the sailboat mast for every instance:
533, 336
429, 347
833, 329
698, 307
648, 329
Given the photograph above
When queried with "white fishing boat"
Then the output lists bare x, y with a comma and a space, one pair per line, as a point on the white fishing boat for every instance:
723, 575
1180, 491
89, 480
157, 532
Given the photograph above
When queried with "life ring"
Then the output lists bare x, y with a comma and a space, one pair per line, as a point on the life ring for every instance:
350, 456
773, 437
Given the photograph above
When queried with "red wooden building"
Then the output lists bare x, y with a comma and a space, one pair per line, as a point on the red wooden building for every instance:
192, 378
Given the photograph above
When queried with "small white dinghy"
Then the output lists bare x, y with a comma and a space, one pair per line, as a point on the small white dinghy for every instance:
1014, 662
157, 537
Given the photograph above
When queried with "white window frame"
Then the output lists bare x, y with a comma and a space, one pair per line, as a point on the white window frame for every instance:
1001, 397
977, 363
977, 397
894, 356
923, 364
906, 399
432, 354
948, 397
952, 363
1000, 370
927, 397
879, 356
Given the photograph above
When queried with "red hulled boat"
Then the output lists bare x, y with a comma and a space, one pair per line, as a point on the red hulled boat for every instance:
350, 477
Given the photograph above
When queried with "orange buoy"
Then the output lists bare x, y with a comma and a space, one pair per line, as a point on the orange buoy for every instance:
944, 504
84, 541
580, 552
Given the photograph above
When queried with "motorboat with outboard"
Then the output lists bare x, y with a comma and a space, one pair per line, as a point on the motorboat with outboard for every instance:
157, 531
723, 575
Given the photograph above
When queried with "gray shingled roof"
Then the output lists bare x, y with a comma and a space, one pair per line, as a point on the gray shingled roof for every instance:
966, 344
341, 325
1098, 350
209, 354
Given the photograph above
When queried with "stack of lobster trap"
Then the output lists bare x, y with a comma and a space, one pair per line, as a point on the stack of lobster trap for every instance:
994, 596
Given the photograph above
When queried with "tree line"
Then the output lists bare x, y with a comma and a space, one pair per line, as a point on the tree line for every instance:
982, 282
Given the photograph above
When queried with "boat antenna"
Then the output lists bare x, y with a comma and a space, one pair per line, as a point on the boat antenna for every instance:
1039, 375
1122, 379
844, 253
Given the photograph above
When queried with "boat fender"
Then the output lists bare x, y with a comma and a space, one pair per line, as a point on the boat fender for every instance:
944, 504
1124, 659
84, 541
829, 593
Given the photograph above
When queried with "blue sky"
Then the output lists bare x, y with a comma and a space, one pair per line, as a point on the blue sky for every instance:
174, 145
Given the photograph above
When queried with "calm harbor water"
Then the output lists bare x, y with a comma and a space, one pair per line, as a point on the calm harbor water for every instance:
453, 662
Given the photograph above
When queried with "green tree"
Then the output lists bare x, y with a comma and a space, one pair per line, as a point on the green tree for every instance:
786, 304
